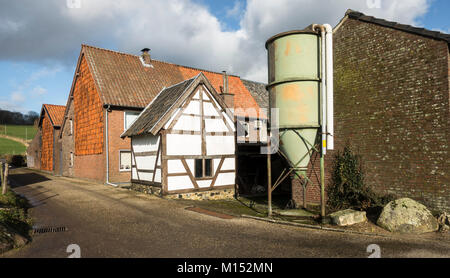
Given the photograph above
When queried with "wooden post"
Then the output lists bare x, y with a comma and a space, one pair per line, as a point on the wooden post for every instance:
2, 179
5, 188
269, 181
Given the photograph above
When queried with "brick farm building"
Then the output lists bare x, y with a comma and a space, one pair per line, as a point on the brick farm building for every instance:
391, 97
108, 92
43, 151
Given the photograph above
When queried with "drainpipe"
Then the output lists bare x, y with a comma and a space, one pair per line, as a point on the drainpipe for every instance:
329, 80
323, 95
107, 110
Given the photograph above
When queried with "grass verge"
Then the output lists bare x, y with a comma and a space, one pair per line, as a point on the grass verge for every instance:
15, 223
8, 146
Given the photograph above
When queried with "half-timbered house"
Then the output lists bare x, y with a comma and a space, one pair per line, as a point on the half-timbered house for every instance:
183, 143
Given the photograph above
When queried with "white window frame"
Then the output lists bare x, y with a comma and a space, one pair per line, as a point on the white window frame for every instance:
204, 176
120, 162
71, 126
125, 117
71, 159
259, 124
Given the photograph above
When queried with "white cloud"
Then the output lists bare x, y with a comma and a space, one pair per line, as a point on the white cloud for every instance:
178, 31
17, 97
38, 91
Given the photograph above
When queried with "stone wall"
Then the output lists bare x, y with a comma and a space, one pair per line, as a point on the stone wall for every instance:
218, 194
67, 142
34, 151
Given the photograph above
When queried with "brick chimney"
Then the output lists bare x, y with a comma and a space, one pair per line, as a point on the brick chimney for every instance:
146, 60
225, 94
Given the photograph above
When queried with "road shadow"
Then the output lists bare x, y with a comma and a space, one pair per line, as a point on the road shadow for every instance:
26, 179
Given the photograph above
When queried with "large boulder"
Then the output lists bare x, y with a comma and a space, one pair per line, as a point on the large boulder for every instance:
407, 216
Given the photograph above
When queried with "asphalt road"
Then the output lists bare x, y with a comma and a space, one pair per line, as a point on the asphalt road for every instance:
112, 222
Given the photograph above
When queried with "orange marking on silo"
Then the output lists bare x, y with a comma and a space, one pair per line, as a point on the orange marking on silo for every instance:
288, 48
291, 92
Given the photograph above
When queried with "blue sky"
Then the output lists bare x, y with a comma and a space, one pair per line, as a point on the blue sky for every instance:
40, 44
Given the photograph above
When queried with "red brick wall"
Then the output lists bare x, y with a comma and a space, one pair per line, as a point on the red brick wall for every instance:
116, 128
47, 144
313, 187
90, 167
88, 114
392, 105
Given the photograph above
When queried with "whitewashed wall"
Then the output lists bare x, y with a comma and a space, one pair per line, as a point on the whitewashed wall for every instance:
191, 144
143, 164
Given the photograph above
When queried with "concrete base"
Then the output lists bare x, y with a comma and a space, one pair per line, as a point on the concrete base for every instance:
294, 212
348, 217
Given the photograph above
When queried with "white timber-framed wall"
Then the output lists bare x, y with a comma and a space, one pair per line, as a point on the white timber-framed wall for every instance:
146, 159
194, 151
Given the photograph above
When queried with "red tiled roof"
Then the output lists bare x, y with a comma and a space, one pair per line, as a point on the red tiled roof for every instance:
123, 81
56, 113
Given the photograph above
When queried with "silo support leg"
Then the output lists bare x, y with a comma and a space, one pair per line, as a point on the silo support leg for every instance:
269, 186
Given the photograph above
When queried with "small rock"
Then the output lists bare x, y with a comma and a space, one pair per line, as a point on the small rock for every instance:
444, 228
348, 217
19, 241
407, 216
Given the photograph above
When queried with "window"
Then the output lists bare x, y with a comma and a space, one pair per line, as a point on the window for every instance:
259, 124
71, 127
203, 168
125, 161
246, 128
71, 160
129, 118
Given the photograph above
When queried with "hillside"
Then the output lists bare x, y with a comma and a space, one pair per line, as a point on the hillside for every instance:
25, 132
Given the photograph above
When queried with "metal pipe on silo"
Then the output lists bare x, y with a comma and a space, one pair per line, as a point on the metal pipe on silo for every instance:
323, 91
329, 84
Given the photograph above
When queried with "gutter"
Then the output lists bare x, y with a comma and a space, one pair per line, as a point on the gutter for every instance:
107, 110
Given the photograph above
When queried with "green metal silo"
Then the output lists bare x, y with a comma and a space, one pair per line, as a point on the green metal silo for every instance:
294, 88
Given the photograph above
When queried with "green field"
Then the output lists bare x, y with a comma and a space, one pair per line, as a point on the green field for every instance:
26, 132
11, 147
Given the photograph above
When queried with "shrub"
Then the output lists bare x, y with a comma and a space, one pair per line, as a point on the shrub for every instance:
14, 213
347, 189
18, 160
15, 160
